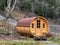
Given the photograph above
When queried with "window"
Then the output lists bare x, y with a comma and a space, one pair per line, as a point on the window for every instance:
38, 23
43, 25
32, 25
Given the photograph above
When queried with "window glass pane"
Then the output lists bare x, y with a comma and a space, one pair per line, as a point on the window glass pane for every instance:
44, 25
32, 25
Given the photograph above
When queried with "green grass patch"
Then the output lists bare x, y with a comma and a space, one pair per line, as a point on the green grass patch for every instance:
26, 42
55, 40
21, 42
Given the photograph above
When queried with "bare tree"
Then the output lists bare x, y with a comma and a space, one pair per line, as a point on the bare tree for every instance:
9, 9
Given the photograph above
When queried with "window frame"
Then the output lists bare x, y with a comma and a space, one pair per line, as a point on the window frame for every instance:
32, 25
43, 25
38, 23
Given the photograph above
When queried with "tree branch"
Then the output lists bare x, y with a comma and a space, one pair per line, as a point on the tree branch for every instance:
13, 6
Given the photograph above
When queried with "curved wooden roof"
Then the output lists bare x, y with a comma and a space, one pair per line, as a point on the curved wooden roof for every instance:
25, 22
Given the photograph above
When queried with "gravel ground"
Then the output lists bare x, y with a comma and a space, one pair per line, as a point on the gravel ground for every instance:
54, 28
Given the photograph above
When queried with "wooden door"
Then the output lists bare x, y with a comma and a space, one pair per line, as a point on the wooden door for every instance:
38, 27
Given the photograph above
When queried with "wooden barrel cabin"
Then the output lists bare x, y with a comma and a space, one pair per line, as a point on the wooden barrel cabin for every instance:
34, 26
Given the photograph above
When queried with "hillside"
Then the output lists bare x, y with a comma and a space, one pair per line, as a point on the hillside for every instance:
39, 31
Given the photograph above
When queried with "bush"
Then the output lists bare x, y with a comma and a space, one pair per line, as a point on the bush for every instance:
25, 7
3, 4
